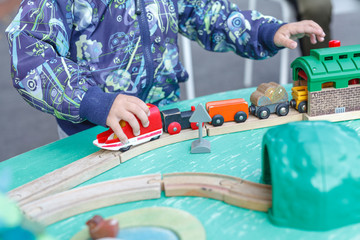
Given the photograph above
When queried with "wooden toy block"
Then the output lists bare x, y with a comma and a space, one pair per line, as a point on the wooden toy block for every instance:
62, 205
66, 177
254, 123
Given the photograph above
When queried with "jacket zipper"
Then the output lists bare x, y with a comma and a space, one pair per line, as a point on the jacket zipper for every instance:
145, 36
137, 7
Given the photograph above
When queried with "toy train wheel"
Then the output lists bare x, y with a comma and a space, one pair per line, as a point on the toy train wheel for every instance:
293, 103
124, 149
217, 120
174, 128
263, 113
302, 108
154, 138
195, 125
282, 109
240, 117
252, 109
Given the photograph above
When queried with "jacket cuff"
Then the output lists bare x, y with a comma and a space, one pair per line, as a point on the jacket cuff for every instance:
96, 105
266, 35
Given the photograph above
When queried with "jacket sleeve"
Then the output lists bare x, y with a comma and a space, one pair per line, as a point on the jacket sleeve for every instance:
218, 25
43, 75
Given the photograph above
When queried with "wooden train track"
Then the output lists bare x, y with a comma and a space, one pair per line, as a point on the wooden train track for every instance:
66, 177
90, 166
231, 190
62, 205
254, 123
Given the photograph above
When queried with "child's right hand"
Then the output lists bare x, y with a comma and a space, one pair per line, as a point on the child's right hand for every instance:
288, 33
126, 108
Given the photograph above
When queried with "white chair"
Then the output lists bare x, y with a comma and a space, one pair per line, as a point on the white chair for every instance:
186, 51
286, 9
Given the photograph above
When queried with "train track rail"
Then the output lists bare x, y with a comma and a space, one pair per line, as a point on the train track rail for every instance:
231, 190
65, 204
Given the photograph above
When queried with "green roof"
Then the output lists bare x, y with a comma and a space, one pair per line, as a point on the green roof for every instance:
338, 65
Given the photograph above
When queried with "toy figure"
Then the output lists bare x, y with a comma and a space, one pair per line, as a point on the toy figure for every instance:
100, 228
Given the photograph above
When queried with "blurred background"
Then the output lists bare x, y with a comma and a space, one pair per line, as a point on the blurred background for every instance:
23, 128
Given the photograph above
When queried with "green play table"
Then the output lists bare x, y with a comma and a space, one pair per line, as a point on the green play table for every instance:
236, 154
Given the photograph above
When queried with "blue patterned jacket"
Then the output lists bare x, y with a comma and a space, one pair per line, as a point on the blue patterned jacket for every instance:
70, 58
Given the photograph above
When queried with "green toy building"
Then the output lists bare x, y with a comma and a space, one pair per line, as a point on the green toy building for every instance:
314, 169
332, 77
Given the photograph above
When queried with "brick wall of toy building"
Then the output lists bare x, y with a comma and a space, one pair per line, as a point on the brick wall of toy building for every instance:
332, 100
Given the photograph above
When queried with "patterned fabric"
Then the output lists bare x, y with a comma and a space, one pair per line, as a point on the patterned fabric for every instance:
61, 49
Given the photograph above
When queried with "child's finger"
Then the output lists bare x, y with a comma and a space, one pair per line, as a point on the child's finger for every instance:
140, 113
141, 104
320, 38
131, 119
312, 38
287, 42
115, 126
314, 31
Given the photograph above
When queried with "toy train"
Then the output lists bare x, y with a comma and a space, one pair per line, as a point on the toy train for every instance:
268, 98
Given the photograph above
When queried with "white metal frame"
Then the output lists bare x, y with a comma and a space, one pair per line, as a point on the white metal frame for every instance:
190, 84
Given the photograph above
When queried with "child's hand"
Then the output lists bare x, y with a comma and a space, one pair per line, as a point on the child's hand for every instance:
126, 108
287, 33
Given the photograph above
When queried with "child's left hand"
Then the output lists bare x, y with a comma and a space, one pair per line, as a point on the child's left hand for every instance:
288, 33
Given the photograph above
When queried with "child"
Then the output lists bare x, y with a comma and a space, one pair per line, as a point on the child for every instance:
92, 62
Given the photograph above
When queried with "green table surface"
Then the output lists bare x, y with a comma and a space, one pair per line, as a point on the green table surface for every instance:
235, 154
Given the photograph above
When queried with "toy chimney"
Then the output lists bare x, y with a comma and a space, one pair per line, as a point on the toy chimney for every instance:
334, 43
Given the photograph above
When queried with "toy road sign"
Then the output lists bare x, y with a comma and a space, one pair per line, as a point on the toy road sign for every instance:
200, 115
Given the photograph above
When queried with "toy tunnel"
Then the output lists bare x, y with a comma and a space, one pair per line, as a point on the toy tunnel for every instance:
314, 169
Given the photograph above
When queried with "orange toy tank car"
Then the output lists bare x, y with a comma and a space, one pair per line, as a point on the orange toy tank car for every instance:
228, 110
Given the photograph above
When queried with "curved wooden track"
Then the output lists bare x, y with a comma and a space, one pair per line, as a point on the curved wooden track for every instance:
88, 167
231, 190
66, 177
62, 205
